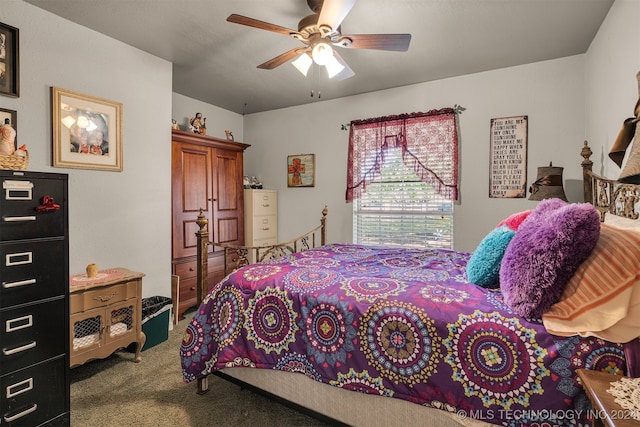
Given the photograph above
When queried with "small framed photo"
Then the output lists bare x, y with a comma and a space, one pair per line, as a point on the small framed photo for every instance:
9, 117
301, 170
87, 131
9, 61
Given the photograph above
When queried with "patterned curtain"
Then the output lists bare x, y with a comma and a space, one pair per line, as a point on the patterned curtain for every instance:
429, 143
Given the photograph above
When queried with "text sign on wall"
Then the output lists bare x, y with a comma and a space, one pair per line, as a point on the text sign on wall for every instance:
508, 163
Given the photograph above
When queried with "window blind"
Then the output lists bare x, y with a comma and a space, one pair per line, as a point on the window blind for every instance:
398, 209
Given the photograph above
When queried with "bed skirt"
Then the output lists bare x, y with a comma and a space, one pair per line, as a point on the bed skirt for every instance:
348, 407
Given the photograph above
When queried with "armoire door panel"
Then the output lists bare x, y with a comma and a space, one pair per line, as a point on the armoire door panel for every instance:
228, 230
195, 188
227, 177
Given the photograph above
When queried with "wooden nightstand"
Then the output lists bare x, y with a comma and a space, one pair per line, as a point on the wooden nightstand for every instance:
106, 314
608, 412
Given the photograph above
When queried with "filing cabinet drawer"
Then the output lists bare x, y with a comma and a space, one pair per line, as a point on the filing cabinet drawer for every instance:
20, 197
28, 271
265, 203
264, 227
31, 396
32, 333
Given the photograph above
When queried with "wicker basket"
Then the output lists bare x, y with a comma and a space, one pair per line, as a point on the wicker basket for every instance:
14, 162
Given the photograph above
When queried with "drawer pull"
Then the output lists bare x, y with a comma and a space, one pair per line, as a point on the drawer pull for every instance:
18, 258
18, 323
19, 388
265, 205
8, 285
33, 408
9, 352
105, 298
265, 228
18, 218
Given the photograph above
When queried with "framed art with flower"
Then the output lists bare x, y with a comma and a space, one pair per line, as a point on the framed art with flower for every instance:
87, 131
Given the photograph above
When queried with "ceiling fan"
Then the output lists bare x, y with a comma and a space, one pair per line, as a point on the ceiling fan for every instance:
320, 32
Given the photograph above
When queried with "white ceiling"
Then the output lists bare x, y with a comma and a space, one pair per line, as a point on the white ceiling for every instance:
215, 61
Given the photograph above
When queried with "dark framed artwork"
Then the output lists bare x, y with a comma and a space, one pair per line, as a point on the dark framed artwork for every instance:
9, 61
508, 157
301, 170
12, 115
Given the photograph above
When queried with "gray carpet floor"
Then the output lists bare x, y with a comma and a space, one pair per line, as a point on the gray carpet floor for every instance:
116, 391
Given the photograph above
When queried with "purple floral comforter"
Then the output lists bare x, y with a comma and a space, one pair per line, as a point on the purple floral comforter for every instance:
402, 323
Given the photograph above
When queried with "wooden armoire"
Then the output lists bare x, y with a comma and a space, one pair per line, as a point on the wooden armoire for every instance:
206, 173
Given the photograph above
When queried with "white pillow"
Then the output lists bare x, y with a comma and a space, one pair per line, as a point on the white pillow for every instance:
622, 222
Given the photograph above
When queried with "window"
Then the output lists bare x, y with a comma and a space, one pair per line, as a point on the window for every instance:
402, 178
398, 209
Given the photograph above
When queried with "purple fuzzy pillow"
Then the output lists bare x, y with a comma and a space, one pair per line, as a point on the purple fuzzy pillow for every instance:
545, 252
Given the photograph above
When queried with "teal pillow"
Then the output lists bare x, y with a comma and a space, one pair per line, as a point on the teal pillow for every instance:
483, 267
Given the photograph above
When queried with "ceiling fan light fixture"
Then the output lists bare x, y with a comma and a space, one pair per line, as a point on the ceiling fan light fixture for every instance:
333, 66
322, 53
303, 63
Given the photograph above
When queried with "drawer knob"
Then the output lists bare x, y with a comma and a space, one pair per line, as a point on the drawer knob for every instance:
193, 288
190, 268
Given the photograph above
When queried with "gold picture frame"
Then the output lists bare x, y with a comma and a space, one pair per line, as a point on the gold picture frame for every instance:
87, 131
301, 170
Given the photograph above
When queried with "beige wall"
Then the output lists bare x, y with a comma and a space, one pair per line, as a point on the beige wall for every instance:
612, 62
551, 93
115, 218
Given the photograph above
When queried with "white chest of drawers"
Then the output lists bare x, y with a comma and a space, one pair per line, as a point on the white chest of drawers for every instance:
260, 218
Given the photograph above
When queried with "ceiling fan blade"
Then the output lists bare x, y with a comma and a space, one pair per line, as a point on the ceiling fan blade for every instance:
333, 12
347, 72
395, 42
255, 23
281, 59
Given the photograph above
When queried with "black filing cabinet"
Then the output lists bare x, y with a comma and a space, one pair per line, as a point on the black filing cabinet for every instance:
34, 299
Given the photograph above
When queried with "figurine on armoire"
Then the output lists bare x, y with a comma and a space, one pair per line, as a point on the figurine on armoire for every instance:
198, 125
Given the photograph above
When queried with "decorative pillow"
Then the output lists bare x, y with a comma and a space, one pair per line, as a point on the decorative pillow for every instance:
545, 252
483, 268
603, 296
514, 221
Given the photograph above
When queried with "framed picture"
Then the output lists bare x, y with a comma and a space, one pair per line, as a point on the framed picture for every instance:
87, 131
12, 116
508, 157
301, 170
9, 61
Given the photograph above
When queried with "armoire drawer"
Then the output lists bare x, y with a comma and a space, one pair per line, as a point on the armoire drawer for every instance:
31, 396
33, 333
19, 214
189, 269
28, 272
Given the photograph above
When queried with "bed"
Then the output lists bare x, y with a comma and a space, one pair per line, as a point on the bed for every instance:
371, 335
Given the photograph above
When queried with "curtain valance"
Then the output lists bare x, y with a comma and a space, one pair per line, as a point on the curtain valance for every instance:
429, 144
